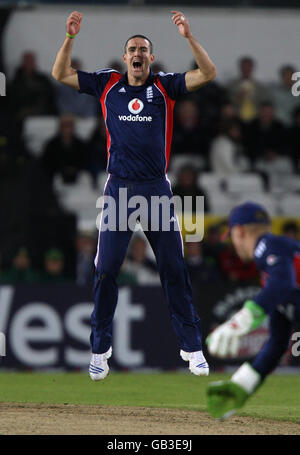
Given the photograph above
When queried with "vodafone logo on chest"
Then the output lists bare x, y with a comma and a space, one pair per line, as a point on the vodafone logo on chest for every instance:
135, 106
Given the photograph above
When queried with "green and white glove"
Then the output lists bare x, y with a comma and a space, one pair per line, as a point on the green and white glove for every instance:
224, 398
224, 341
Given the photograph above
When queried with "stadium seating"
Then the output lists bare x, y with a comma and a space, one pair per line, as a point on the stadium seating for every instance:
265, 199
247, 182
223, 191
101, 180
79, 198
285, 183
171, 177
211, 182
220, 203
178, 161
38, 130
290, 205
235, 183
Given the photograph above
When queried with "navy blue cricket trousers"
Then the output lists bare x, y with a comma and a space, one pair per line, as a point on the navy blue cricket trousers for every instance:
281, 324
168, 251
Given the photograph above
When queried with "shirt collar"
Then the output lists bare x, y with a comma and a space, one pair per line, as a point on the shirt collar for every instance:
150, 79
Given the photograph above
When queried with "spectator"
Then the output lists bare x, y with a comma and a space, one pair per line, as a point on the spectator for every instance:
54, 267
20, 271
293, 135
226, 114
139, 265
212, 244
157, 67
264, 132
187, 186
70, 101
226, 152
64, 153
116, 65
85, 249
245, 92
200, 268
31, 92
291, 229
209, 100
234, 269
11, 142
126, 277
274, 167
189, 135
284, 101
97, 150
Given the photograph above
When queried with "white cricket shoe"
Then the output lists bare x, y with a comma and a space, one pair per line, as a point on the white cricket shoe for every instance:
197, 362
98, 366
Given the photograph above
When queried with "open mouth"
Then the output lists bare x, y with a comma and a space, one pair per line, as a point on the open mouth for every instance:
137, 65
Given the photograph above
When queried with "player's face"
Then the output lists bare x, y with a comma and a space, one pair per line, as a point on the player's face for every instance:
138, 57
239, 240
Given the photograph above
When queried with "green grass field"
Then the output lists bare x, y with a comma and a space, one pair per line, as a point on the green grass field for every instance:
279, 398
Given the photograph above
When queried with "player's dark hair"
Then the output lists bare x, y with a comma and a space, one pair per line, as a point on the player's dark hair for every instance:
290, 226
284, 68
246, 59
139, 36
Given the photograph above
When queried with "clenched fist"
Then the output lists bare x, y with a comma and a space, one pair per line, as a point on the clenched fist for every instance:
74, 23
182, 23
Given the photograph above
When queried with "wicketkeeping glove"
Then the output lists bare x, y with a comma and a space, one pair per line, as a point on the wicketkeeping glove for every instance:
224, 341
224, 398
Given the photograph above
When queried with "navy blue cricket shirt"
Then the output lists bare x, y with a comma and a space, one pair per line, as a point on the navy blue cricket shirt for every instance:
278, 259
139, 120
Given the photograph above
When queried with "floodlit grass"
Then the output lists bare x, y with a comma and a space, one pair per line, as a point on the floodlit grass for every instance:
278, 398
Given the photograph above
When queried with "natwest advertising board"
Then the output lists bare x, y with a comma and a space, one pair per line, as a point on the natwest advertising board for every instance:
48, 327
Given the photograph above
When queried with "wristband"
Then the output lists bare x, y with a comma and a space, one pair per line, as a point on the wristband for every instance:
257, 313
70, 36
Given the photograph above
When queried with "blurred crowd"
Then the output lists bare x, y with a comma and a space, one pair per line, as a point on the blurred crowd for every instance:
208, 261
245, 125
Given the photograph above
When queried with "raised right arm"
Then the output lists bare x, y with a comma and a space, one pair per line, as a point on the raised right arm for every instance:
62, 70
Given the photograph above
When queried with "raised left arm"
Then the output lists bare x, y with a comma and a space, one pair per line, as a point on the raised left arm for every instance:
206, 70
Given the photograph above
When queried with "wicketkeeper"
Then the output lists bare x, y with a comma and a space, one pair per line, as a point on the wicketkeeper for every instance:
275, 257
